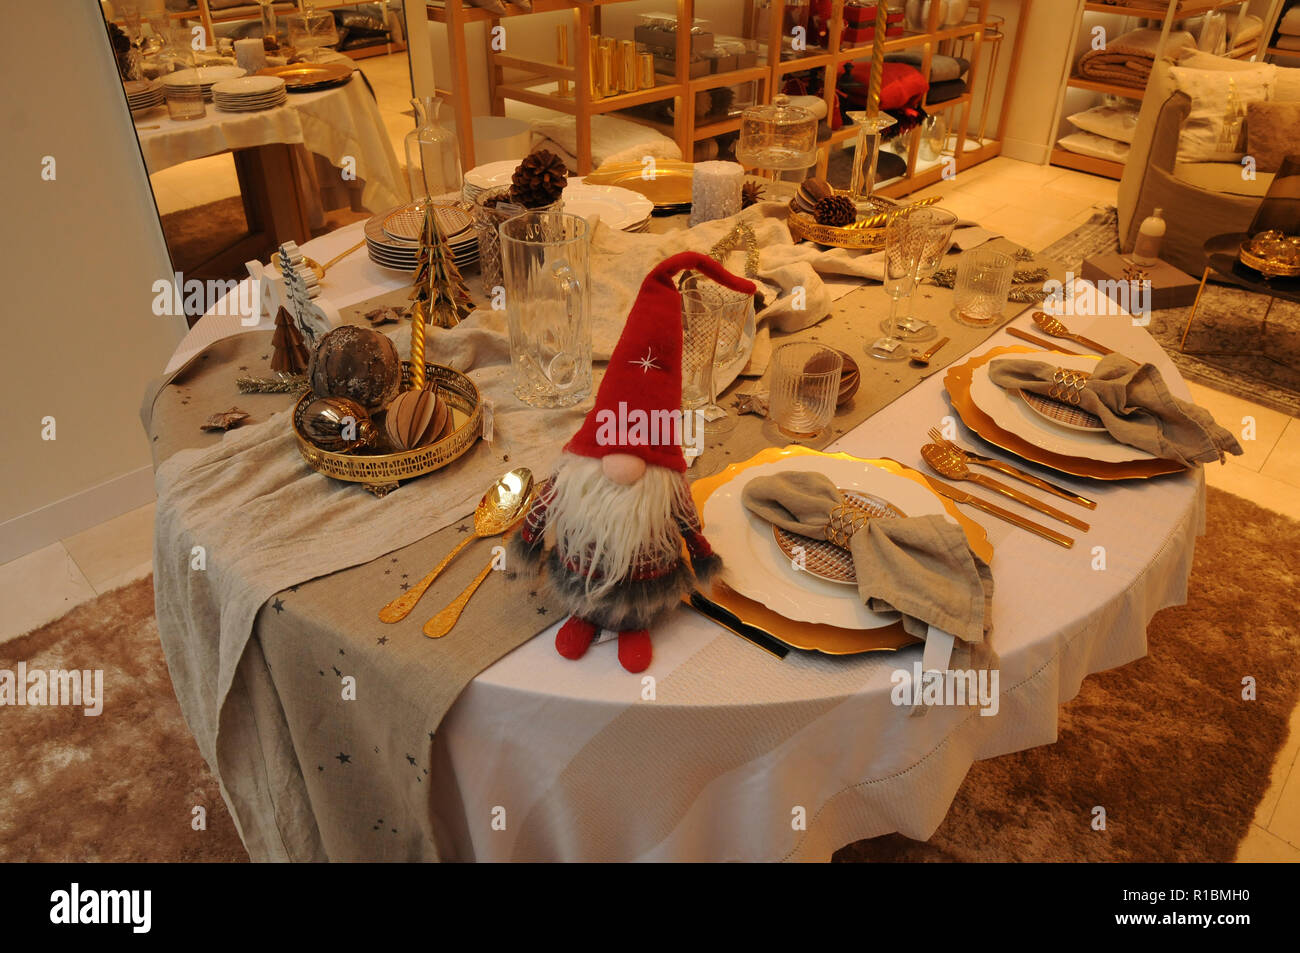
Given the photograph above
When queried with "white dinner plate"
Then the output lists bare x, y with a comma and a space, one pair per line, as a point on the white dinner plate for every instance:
1012, 414
205, 76
490, 175
754, 565
251, 86
617, 207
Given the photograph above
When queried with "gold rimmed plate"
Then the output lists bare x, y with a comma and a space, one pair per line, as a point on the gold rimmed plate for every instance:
310, 77
1062, 414
666, 183
957, 381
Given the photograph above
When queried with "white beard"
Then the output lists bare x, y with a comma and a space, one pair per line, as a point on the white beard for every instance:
605, 528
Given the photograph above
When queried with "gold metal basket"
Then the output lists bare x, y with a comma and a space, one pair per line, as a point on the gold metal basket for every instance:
1269, 267
868, 233
381, 472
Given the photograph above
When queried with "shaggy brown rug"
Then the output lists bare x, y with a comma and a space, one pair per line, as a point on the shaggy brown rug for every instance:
1166, 744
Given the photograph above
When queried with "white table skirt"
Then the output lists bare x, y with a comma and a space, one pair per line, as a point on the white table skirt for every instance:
736, 745
340, 124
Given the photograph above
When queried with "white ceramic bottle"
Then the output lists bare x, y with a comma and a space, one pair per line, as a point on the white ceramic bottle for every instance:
1146, 250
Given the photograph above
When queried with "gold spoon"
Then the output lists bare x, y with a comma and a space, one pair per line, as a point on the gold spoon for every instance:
500, 508
1057, 329
953, 465
923, 360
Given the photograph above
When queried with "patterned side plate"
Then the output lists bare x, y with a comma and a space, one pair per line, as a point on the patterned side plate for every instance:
1059, 412
824, 559
407, 224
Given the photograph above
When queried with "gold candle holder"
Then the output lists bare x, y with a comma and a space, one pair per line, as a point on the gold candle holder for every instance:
609, 66
562, 55
627, 66
595, 74
646, 70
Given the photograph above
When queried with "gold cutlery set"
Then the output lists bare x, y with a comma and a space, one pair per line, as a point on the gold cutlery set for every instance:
502, 506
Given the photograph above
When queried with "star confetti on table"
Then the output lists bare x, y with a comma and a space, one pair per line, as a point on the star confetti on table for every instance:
541, 610
405, 586
343, 758
411, 759
277, 605
462, 528
382, 640
388, 572
336, 671
646, 363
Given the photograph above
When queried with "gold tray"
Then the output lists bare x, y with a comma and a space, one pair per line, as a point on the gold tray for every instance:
671, 184
381, 472
868, 233
1268, 267
817, 636
957, 381
307, 77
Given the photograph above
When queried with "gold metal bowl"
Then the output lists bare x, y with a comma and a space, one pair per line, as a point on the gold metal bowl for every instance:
866, 232
382, 472
1253, 254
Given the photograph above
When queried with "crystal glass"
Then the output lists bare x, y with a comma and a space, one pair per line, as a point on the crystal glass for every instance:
432, 154
780, 137
309, 31
924, 237
805, 388
545, 261
701, 315
185, 101
983, 284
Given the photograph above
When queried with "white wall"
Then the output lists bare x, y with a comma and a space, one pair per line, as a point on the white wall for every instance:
78, 260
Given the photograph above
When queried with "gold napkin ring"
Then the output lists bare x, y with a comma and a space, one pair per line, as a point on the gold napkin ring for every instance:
1067, 385
845, 520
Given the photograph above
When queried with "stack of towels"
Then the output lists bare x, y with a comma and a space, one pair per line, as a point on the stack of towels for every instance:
1288, 29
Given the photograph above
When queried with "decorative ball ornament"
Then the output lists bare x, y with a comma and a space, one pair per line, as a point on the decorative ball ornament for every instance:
835, 210
337, 424
415, 418
850, 380
812, 191
358, 363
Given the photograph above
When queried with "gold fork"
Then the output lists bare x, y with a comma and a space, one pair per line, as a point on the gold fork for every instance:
1003, 467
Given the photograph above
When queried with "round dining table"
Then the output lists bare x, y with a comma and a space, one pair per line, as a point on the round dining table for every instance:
720, 751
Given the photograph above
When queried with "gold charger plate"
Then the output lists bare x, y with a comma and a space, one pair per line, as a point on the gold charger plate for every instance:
957, 382
670, 184
296, 76
814, 636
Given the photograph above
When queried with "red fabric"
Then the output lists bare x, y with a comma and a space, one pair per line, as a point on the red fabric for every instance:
900, 84
634, 650
645, 370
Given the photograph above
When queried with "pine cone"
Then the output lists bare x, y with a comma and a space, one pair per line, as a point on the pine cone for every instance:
751, 193
835, 210
539, 180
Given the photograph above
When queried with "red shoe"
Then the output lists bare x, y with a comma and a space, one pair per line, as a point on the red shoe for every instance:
634, 650
574, 638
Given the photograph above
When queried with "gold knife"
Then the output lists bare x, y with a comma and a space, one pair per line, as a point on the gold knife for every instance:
997, 486
961, 496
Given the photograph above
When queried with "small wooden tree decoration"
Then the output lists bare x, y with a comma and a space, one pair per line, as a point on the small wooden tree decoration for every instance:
440, 294
289, 353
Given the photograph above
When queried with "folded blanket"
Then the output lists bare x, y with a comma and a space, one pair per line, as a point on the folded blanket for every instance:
612, 140
1290, 23
1127, 59
1133, 403
1246, 31
920, 566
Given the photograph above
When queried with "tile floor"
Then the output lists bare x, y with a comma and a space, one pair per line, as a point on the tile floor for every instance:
1006, 195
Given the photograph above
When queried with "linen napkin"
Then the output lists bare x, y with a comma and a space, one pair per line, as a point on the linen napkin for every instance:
920, 566
1134, 404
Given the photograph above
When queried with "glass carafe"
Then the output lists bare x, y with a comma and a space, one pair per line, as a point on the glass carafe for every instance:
432, 154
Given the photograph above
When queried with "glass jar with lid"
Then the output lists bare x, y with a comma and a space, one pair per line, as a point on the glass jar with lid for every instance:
779, 136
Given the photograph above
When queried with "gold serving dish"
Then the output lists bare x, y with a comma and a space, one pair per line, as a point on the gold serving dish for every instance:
867, 232
1272, 254
310, 77
381, 472
667, 182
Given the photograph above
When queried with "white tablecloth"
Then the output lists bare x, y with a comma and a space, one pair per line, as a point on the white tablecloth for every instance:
340, 124
736, 747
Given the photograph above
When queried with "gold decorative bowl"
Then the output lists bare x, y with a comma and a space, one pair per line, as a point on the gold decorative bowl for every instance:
1272, 254
381, 472
868, 232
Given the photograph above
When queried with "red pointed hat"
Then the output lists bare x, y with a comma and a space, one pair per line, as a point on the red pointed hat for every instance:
645, 370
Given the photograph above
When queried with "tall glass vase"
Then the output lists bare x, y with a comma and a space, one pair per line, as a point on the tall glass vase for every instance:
432, 154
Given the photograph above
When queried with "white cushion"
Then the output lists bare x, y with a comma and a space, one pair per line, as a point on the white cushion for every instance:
1222, 177
1210, 133
612, 139
1113, 122
1091, 144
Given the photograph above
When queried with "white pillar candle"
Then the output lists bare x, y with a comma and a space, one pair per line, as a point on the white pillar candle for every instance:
250, 54
715, 190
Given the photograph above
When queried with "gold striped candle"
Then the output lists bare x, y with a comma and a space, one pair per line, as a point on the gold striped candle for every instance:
877, 60
417, 346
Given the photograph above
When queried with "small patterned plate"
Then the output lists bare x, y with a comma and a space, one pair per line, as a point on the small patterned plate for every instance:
826, 560
407, 224
1061, 413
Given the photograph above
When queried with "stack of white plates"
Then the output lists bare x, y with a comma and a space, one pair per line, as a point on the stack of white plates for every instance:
393, 237
482, 178
249, 93
143, 95
205, 76
617, 207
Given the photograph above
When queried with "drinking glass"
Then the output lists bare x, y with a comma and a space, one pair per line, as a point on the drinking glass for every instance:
701, 315
805, 388
901, 251
546, 274
185, 101
926, 238
983, 284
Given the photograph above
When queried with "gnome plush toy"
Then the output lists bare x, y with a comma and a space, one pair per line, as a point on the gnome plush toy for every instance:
617, 507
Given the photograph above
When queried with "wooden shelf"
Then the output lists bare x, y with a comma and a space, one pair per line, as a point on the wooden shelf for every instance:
1115, 89
1188, 9
1072, 160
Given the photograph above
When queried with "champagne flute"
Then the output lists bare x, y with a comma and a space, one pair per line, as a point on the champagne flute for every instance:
932, 237
903, 246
